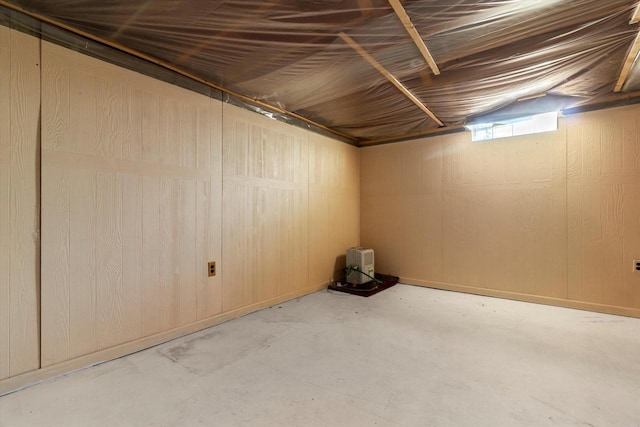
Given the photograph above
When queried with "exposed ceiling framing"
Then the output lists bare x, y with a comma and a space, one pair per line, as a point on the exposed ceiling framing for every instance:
351, 67
415, 36
636, 15
175, 69
632, 57
402, 88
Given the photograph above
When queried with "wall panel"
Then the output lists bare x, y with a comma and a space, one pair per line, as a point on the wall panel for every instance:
19, 202
334, 206
404, 181
5, 171
547, 218
604, 206
504, 214
265, 208
132, 210
83, 278
131, 202
444, 210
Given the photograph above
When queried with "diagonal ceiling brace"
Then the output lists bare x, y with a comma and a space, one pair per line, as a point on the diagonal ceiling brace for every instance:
636, 15
402, 88
415, 36
632, 56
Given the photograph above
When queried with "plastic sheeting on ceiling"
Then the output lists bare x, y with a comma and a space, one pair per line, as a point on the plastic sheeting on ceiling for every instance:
289, 54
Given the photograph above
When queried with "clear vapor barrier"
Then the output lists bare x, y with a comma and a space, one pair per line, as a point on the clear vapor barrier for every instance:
290, 54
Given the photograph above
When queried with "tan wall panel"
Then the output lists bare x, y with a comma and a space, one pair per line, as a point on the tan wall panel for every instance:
55, 266
404, 181
19, 202
209, 208
24, 201
265, 208
5, 171
552, 215
131, 194
488, 215
334, 206
504, 214
83, 278
604, 206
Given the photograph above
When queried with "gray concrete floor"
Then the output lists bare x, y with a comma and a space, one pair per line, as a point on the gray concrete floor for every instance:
408, 356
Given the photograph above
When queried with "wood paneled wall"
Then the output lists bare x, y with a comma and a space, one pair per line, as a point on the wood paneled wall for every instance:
143, 183
291, 208
604, 206
334, 206
19, 202
131, 205
265, 208
134, 207
547, 218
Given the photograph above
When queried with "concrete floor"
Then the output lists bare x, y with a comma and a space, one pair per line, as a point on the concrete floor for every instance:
408, 356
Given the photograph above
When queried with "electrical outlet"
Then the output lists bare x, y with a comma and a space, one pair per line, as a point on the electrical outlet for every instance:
636, 265
212, 268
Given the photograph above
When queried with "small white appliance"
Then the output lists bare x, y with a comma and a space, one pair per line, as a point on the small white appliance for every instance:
359, 260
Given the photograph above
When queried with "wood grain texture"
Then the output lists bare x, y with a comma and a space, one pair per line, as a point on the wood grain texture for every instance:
491, 215
404, 182
169, 303
265, 208
209, 156
19, 202
130, 205
133, 208
83, 262
186, 255
110, 322
603, 190
548, 217
504, 215
132, 255
334, 206
24, 201
55, 265
5, 173
151, 297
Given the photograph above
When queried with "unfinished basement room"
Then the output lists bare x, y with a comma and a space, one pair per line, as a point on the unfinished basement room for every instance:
332, 213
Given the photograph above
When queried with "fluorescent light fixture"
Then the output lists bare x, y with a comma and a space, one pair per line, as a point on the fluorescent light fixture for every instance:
538, 123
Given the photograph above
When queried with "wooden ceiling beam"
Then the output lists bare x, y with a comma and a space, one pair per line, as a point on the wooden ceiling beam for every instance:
636, 15
415, 36
402, 88
631, 58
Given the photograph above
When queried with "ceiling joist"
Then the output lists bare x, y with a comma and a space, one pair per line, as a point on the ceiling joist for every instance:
632, 55
628, 63
402, 88
415, 36
636, 15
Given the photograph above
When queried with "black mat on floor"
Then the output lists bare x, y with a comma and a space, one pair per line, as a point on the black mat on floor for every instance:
365, 289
